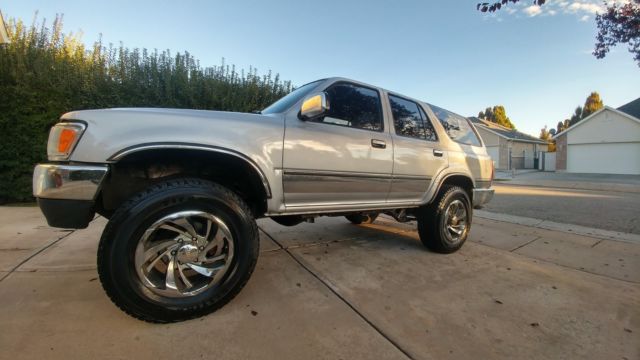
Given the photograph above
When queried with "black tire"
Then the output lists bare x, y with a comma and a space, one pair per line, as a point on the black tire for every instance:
362, 218
432, 219
116, 263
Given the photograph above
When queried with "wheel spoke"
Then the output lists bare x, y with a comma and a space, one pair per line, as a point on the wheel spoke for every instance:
221, 233
206, 271
175, 229
170, 279
153, 262
210, 260
208, 231
183, 277
457, 229
154, 250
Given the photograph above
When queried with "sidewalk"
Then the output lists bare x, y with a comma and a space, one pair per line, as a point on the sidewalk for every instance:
600, 182
336, 290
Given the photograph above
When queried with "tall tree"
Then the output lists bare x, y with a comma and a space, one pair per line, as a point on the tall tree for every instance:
498, 115
619, 24
544, 134
592, 104
560, 127
577, 116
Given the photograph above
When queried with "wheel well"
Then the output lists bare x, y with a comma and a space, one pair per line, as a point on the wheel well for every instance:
461, 181
139, 170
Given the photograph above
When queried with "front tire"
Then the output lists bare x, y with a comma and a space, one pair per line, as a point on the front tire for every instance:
444, 225
178, 250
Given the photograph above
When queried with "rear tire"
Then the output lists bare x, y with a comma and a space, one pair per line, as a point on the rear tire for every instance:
444, 224
178, 250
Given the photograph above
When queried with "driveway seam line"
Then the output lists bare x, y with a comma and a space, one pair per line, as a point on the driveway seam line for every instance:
35, 254
525, 244
344, 300
558, 264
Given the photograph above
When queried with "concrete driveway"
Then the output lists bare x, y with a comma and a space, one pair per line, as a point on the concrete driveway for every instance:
332, 290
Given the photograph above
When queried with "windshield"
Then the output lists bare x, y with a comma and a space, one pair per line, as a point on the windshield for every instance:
290, 99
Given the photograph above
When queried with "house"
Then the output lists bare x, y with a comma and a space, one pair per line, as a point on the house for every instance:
606, 142
4, 37
509, 149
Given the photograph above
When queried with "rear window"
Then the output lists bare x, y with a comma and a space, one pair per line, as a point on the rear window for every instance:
458, 127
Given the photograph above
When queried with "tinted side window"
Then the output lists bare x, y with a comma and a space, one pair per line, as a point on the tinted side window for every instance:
353, 106
428, 127
406, 118
410, 120
457, 127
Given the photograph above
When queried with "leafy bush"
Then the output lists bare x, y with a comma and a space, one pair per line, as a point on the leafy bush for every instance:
45, 73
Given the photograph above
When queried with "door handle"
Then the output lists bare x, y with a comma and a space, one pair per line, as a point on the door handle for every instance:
437, 153
378, 144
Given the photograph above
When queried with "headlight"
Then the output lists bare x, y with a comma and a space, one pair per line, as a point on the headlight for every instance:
63, 139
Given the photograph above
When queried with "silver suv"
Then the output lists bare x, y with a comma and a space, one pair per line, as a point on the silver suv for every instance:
182, 188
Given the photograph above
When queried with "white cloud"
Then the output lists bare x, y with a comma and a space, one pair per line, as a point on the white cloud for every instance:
588, 7
532, 10
584, 18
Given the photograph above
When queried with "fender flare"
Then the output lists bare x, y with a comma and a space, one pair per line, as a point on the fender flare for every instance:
120, 154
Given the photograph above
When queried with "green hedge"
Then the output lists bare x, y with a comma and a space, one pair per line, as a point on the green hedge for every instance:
45, 73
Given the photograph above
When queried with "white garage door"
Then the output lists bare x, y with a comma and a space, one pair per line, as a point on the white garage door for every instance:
494, 152
604, 158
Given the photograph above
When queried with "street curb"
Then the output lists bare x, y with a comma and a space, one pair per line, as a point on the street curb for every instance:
555, 226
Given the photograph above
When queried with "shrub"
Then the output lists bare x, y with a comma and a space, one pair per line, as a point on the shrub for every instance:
45, 73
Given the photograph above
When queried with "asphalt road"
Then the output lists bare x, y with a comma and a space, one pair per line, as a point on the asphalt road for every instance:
608, 210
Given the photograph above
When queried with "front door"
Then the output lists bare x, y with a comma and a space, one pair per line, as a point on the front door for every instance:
341, 159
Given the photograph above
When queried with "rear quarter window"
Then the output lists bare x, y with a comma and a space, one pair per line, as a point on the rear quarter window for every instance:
457, 127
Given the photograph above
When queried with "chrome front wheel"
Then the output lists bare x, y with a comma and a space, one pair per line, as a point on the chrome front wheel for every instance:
178, 250
184, 253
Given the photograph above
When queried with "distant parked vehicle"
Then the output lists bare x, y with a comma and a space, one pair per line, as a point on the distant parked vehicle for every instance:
182, 188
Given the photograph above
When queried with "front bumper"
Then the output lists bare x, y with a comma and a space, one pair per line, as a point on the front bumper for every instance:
66, 193
481, 197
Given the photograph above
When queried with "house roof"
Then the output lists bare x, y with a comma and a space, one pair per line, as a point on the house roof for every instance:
505, 132
632, 108
606, 108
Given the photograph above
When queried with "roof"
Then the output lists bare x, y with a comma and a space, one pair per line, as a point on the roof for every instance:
632, 108
505, 132
606, 108
4, 37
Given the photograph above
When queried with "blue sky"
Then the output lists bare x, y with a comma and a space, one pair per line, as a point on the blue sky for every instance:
535, 61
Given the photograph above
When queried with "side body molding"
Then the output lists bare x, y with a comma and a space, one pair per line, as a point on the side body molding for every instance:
186, 146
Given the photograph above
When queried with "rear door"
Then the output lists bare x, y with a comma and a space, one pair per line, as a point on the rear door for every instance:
341, 159
418, 157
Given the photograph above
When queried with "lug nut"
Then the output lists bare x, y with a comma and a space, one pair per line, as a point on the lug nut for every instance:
173, 252
194, 239
180, 240
201, 248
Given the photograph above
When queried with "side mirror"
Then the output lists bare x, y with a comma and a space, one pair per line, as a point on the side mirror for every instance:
314, 106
